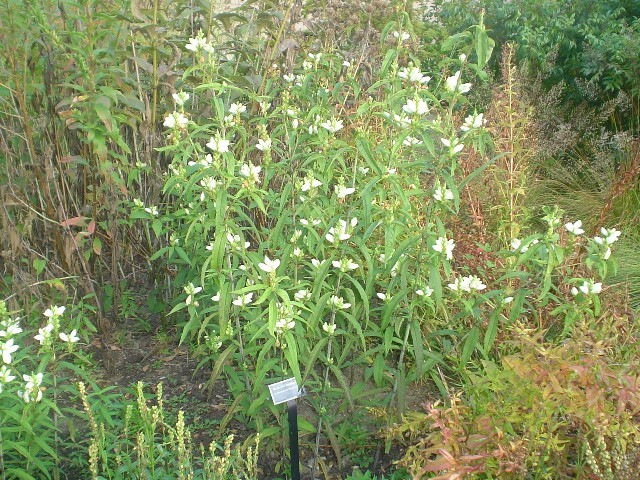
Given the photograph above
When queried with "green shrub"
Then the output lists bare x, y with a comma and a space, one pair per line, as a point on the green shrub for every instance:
546, 411
564, 40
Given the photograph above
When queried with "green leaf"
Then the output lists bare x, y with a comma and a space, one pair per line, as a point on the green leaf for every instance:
470, 344
492, 330
418, 346
311, 359
343, 383
378, 369
291, 354
220, 361
389, 57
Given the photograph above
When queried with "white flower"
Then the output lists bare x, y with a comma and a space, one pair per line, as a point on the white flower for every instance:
343, 191
175, 120
237, 108
216, 297
606, 254
284, 324
296, 235
454, 146
243, 300
610, 235
445, 246
289, 77
588, 287
71, 338
264, 107
269, 266
402, 36
209, 183
264, 145
453, 84
193, 44
199, 43
5, 376
382, 296
341, 231
54, 312
473, 121
345, 264
236, 242
44, 334
310, 182
332, 125
462, 57
338, 302
329, 328
466, 284
302, 295
7, 349
426, 292
402, 121
249, 170
153, 210
297, 252
516, 245
575, 227
10, 328
218, 144
410, 141
191, 290
316, 263
413, 75
476, 284
32, 385
442, 194
180, 98
419, 107
314, 221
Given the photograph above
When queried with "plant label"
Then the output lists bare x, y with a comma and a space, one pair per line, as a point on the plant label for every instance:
284, 391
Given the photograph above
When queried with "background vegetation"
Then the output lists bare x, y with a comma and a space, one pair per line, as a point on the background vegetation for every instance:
426, 214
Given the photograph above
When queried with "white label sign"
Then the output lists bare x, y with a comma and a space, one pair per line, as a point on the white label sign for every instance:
284, 391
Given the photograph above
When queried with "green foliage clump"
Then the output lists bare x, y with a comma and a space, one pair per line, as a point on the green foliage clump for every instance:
142, 443
564, 41
547, 411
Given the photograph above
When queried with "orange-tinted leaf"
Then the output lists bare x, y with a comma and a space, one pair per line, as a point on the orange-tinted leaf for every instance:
81, 221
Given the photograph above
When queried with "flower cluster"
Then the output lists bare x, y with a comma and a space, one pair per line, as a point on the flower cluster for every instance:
474, 121
467, 284
453, 84
285, 320
32, 389
199, 44
191, 291
219, 144
338, 303
251, 172
176, 120
588, 287
413, 75
341, 231
445, 246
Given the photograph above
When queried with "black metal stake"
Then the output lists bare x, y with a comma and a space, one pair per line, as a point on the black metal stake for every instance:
294, 452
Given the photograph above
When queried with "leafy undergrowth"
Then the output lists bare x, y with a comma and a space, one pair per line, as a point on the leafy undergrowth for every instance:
358, 219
